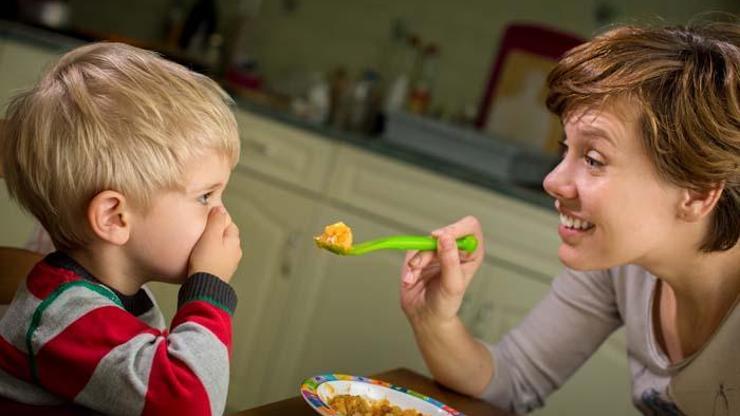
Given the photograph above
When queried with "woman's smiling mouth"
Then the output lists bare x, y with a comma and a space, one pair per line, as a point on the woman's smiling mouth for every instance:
574, 223
572, 229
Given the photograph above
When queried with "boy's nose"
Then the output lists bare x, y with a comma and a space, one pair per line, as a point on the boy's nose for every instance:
559, 183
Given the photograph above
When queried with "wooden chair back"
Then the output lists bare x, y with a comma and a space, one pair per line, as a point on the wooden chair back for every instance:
15, 264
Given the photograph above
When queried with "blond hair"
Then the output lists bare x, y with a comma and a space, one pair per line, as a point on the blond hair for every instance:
109, 116
685, 81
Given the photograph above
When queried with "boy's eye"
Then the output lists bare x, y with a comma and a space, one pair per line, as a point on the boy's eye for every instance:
203, 199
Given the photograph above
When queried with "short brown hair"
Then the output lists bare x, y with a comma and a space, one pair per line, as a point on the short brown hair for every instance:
109, 116
685, 80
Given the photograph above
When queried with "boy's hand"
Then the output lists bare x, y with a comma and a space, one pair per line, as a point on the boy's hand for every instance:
218, 250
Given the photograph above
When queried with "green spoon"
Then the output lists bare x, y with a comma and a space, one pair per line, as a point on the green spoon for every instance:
398, 242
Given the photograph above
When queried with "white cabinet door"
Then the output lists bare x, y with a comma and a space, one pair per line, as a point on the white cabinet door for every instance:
346, 315
273, 225
503, 296
601, 386
20, 67
283, 152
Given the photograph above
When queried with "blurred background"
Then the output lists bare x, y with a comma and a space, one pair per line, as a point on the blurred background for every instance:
348, 63
395, 116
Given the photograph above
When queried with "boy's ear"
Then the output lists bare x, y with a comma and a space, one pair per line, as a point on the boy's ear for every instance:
696, 205
109, 218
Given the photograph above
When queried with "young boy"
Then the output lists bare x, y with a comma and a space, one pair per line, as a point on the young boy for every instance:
123, 157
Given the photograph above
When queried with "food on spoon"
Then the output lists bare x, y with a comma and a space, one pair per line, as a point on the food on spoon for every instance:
350, 405
336, 238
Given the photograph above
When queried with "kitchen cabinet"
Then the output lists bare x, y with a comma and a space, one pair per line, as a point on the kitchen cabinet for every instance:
292, 157
345, 316
600, 386
21, 65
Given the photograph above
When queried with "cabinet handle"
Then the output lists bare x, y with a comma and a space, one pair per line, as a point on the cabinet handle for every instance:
258, 147
291, 242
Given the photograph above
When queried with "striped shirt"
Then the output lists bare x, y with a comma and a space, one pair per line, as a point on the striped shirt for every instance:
67, 337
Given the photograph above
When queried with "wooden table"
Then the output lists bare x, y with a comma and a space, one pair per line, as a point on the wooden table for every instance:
296, 406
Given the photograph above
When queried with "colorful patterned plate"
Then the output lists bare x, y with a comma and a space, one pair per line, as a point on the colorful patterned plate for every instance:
318, 390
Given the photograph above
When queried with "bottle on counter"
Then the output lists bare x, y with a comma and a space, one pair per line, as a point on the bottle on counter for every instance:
420, 95
319, 100
364, 103
339, 98
397, 91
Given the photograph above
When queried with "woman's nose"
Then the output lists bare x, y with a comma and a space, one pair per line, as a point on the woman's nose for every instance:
559, 183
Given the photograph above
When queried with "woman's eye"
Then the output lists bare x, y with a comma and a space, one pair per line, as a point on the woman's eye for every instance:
592, 160
203, 199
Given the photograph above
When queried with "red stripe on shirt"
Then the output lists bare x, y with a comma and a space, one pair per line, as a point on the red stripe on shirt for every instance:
14, 361
212, 317
173, 388
66, 363
45, 278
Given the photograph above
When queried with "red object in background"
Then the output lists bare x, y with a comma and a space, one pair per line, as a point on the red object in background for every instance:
534, 39
244, 79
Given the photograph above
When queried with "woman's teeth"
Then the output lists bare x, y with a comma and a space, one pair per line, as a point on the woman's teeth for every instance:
574, 223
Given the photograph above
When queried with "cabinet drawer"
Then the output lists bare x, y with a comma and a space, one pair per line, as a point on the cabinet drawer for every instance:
516, 232
283, 152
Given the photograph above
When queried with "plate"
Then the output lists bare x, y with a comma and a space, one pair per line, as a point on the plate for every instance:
318, 390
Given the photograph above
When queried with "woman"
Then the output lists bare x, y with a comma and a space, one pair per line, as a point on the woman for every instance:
648, 192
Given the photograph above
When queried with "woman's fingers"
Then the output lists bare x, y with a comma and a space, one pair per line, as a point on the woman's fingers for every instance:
426, 264
453, 279
414, 265
464, 226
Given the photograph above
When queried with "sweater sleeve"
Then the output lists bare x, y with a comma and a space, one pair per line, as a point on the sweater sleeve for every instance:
85, 347
553, 341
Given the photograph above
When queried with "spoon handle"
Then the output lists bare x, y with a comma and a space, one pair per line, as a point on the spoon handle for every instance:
410, 242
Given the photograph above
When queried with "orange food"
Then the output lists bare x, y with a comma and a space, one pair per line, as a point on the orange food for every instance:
349, 405
336, 237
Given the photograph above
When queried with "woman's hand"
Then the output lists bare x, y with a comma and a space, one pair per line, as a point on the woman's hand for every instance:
433, 283
218, 250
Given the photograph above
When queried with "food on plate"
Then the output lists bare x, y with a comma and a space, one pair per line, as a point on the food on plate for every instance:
350, 405
336, 238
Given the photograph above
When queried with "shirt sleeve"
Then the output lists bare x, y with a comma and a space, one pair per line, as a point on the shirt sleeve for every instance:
85, 347
553, 341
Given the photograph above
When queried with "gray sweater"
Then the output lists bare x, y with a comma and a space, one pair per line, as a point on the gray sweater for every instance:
580, 312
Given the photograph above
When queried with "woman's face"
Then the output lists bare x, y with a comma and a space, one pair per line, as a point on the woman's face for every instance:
613, 207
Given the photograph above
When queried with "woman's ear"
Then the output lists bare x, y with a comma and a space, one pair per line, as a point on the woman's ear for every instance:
696, 205
109, 217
